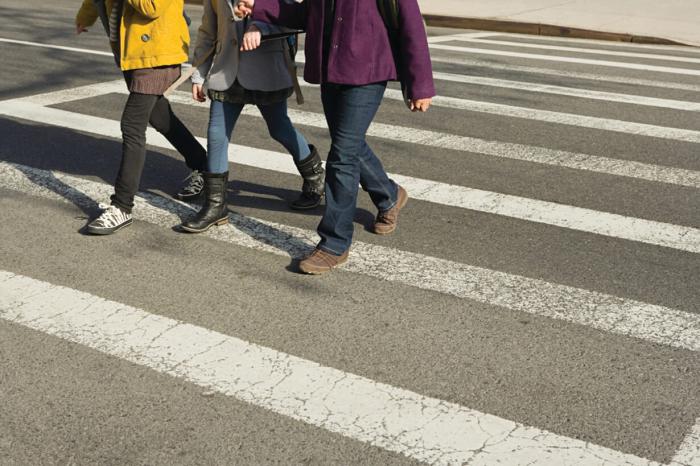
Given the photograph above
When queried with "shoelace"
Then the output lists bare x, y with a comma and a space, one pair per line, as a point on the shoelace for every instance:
110, 216
387, 217
196, 182
329, 259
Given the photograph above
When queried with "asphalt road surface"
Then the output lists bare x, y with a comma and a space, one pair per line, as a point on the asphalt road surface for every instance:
539, 303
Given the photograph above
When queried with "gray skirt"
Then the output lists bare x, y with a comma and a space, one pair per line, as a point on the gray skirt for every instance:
237, 94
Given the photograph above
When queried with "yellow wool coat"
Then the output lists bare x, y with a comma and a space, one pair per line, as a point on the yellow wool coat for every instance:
152, 32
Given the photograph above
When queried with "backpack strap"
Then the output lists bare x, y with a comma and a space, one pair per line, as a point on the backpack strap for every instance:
292, 72
389, 9
188, 74
101, 8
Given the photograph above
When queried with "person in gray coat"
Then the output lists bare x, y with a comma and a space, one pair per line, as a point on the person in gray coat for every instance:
238, 68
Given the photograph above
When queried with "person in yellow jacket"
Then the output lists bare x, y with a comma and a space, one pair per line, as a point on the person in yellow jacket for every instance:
150, 40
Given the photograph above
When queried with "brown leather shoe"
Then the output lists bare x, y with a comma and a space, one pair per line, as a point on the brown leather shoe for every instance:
386, 221
320, 261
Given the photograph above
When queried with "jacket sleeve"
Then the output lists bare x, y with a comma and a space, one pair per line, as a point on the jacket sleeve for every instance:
87, 15
206, 41
267, 29
151, 9
287, 13
416, 68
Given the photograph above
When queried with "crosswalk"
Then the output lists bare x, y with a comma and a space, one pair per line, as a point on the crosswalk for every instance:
419, 427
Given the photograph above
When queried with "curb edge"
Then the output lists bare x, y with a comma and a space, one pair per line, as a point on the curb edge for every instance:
497, 25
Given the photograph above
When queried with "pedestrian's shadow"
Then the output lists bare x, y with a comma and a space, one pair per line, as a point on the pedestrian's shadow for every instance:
38, 151
263, 233
47, 180
59, 149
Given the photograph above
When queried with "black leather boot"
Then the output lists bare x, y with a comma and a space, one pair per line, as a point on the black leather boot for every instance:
311, 169
214, 210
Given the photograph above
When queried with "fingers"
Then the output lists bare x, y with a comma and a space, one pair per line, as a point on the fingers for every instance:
80, 29
420, 105
251, 41
243, 8
198, 93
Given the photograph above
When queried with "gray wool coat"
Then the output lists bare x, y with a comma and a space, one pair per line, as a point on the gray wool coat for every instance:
263, 69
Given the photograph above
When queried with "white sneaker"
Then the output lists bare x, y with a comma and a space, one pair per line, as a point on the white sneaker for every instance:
111, 220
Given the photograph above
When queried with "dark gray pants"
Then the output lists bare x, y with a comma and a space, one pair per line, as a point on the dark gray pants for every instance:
140, 110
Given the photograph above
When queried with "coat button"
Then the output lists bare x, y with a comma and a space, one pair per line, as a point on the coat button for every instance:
145, 37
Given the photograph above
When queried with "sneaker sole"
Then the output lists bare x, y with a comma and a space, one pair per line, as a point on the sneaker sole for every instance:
108, 231
218, 223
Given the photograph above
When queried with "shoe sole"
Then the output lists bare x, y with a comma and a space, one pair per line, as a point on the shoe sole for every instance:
184, 198
321, 271
296, 207
400, 205
218, 223
108, 231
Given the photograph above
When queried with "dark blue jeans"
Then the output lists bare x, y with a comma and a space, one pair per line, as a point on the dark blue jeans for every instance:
222, 119
349, 112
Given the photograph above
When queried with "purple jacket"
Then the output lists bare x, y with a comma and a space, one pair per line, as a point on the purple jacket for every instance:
360, 52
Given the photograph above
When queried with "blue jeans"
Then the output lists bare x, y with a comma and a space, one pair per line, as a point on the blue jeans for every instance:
349, 112
222, 119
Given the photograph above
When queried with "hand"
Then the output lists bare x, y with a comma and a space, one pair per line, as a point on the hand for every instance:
251, 39
243, 8
80, 28
198, 93
420, 105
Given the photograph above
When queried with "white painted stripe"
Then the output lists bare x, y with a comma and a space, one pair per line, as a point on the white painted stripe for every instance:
569, 119
549, 213
558, 90
689, 452
453, 37
398, 420
635, 319
510, 68
606, 43
597, 164
571, 92
592, 76
77, 93
56, 47
560, 59
640, 100
533, 154
614, 53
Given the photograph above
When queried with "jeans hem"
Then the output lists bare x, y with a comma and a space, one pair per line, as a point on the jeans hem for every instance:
330, 251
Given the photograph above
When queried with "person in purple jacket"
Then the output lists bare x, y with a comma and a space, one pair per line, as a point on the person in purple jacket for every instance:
348, 52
